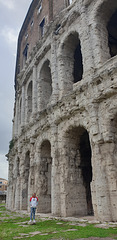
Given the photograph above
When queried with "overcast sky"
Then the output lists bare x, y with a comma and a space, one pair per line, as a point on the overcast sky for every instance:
12, 14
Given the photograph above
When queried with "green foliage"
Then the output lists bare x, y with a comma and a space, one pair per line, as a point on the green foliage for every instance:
11, 145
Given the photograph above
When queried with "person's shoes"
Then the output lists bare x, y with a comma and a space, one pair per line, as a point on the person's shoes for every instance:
34, 221
30, 221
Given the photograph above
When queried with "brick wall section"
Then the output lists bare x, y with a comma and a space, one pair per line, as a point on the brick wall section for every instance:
32, 32
58, 6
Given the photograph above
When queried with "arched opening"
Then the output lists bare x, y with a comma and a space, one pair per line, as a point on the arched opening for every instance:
102, 30
25, 183
45, 84
78, 66
72, 62
78, 199
112, 34
29, 99
45, 177
85, 165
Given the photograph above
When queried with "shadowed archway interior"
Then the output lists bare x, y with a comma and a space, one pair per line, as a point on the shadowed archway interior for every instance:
85, 165
78, 170
112, 34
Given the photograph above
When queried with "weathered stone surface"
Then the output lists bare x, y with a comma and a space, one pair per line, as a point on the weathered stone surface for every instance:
65, 116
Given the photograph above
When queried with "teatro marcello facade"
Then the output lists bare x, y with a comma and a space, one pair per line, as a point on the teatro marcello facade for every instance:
64, 143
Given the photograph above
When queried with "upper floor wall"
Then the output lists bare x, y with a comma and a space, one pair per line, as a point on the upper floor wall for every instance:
78, 48
40, 14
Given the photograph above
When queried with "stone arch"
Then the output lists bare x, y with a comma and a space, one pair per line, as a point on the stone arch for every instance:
71, 62
29, 98
72, 56
45, 84
45, 177
105, 15
25, 181
77, 173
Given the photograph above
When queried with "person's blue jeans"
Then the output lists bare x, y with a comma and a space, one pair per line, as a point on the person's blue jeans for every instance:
32, 213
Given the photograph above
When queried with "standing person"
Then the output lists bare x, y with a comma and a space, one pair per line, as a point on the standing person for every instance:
33, 205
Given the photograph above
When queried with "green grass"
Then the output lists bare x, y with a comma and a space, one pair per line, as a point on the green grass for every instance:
10, 228
2, 207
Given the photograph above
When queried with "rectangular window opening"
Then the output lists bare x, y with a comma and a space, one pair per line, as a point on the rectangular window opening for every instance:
32, 23
25, 54
68, 2
39, 8
42, 24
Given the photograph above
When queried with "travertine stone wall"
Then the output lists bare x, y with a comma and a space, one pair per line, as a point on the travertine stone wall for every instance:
65, 132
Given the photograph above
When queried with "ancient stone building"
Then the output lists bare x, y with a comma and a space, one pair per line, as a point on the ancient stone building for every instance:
64, 143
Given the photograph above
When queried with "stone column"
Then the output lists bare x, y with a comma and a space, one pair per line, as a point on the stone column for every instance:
31, 184
16, 118
99, 38
23, 107
109, 154
34, 90
32, 172
54, 71
99, 185
9, 199
17, 194
26, 107
23, 183
86, 45
23, 193
64, 74
55, 174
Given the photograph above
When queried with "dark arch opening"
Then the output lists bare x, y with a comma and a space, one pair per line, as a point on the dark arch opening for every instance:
72, 60
46, 149
86, 167
45, 84
78, 66
112, 34
78, 172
